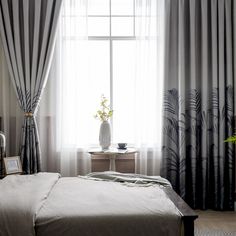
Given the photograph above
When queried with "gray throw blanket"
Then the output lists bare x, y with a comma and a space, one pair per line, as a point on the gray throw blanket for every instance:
137, 179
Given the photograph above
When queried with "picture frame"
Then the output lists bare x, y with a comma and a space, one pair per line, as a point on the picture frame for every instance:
12, 165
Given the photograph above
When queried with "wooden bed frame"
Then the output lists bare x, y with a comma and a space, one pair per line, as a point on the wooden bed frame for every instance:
188, 215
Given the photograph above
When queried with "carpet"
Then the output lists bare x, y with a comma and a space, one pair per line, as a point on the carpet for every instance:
208, 232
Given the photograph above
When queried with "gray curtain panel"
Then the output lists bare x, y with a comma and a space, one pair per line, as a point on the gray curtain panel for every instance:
28, 33
198, 101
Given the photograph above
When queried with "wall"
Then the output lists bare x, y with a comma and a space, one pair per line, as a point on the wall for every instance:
10, 113
234, 68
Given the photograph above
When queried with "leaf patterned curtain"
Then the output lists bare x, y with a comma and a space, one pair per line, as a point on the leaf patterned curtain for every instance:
28, 33
198, 101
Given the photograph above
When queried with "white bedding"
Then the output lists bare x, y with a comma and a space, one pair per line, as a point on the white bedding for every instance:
85, 207
21, 197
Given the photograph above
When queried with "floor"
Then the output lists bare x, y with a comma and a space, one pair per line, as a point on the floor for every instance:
216, 221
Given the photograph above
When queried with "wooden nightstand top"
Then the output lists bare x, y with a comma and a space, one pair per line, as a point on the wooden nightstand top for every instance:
112, 151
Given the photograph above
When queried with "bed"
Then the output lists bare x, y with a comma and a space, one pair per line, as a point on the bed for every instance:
100, 204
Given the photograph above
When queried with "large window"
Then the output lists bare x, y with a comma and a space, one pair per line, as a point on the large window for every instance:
105, 44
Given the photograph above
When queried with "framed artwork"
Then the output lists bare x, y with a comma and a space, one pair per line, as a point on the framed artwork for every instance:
12, 165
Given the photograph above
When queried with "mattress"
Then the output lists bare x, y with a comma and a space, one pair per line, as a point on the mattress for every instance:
87, 206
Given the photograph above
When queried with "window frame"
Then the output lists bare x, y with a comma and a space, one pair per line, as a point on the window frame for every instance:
111, 39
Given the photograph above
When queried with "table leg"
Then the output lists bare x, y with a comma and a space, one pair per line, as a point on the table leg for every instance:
112, 162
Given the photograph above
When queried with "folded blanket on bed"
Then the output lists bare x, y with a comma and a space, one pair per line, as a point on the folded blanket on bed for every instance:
21, 197
140, 180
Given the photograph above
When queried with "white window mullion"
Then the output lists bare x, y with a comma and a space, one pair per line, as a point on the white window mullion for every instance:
111, 67
111, 79
134, 18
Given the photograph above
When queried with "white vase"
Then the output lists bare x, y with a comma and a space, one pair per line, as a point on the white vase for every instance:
105, 135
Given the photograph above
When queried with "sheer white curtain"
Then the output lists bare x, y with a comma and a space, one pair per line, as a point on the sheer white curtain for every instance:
65, 115
78, 78
148, 84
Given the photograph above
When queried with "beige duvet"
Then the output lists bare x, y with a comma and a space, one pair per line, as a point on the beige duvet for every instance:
49, 205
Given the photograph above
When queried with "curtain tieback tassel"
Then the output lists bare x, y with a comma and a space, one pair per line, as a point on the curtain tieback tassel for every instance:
29, 114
